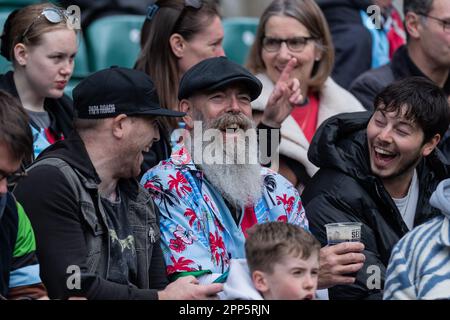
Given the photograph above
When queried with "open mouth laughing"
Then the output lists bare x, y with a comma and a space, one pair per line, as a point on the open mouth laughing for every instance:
383, 156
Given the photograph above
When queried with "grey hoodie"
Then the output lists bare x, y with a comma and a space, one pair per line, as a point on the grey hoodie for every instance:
441, 197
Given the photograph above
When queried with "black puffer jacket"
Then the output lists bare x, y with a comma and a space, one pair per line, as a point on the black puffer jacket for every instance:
344, 189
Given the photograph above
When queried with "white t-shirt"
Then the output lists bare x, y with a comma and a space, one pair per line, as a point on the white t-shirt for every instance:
407, 205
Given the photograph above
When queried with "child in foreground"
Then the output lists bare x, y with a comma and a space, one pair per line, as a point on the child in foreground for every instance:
282, 264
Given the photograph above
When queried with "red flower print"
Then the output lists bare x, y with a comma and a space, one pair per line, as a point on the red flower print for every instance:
182, 264
192, 216
179, 183
287, 202
177, 245
216, 243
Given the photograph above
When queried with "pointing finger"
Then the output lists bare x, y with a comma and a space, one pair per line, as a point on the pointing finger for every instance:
286, 73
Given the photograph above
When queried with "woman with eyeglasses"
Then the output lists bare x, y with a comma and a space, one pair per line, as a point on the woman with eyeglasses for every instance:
296, 32
41, 44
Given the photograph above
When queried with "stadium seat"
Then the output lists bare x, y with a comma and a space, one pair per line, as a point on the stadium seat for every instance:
5, 65
114, 40
81, 69
239, 37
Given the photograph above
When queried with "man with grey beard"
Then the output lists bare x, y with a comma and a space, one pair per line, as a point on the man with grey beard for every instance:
212, 188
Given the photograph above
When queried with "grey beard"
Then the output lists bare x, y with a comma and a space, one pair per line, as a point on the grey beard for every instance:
240, 184
235, 175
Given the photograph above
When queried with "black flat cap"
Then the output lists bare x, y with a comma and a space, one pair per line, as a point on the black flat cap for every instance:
215, 73
110, 92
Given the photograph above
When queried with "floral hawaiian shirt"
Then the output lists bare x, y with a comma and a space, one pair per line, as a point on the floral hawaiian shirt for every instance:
199, 234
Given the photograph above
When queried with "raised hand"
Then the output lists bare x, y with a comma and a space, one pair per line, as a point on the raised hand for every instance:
283, 98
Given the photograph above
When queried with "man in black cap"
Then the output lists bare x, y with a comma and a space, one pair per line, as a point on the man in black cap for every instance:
210, 194
96, 228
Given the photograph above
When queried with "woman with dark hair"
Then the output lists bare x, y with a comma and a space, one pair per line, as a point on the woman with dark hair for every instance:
176, 35
295, 31
41, 43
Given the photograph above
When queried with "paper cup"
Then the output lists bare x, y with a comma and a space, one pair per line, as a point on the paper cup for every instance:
343, 232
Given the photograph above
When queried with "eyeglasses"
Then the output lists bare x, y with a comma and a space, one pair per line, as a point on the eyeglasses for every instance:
13, 178
53, 15
295, 44
445, 23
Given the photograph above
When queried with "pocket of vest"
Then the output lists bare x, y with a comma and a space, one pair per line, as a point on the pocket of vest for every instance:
90, 217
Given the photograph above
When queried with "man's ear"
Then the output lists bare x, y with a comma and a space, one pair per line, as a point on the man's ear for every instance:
260, 282
118, 126
186, 106
177, 44
21, 54
431, 145
413, 24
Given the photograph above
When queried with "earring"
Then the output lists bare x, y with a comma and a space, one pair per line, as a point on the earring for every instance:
317, 59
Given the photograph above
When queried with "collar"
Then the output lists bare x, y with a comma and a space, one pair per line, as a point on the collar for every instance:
182, 159
403, 66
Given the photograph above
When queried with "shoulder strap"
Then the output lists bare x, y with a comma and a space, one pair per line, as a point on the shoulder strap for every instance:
82, 196
66, 170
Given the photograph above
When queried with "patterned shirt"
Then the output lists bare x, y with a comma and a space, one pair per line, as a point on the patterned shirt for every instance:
419, 268
42, 138
199, 234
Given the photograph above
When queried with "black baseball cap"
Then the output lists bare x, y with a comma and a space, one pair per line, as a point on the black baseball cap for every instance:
215, 73
110, 92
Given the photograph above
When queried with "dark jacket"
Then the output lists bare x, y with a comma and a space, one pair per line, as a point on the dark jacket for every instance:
369, 84
344, 189
351, 39
71, 228
60, 110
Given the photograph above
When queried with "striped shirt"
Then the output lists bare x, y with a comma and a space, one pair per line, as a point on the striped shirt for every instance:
419, 267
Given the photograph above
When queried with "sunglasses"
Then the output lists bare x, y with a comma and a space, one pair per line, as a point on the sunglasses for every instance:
53, 15
153, 7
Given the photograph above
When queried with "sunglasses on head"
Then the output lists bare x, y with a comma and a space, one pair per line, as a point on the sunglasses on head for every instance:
153, 8
53, 15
